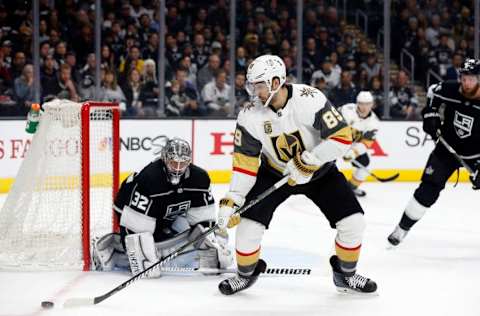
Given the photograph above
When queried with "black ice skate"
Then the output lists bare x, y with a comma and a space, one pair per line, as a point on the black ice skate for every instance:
351, 284
358, 192
396, 237
239, 283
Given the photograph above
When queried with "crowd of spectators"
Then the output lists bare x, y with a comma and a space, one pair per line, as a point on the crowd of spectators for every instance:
438, 33
197, 68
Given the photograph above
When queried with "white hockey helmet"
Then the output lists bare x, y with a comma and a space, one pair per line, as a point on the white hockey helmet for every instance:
264, 69
365, 103
364, 97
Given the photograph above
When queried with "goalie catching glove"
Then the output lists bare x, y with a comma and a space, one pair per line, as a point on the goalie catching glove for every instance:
301, 168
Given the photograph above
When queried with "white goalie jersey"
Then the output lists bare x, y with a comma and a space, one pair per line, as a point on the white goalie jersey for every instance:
308, 121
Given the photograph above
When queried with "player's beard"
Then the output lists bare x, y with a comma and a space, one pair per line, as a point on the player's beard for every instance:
473, 92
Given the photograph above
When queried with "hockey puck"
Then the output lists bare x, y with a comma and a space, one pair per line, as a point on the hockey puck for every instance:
47, 304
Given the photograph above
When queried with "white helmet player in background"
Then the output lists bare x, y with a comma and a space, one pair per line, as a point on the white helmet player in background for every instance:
365, 103
260, 75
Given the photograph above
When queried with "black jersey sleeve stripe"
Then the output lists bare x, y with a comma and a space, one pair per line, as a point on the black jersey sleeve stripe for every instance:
328, 120
245, 143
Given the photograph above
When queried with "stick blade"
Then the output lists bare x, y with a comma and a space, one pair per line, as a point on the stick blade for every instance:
391, 178
78, 301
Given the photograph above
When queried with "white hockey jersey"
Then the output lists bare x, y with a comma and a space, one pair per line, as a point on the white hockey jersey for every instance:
308, 121
364, 129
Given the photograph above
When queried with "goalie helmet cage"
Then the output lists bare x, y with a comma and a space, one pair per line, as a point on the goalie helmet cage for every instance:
64, 190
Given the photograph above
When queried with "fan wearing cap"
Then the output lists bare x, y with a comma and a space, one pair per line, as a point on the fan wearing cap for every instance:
460, 127
161, 208
364, 125
290, 129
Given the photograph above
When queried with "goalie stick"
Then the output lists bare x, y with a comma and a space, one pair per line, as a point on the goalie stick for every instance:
85, 301
271, 271
388, 179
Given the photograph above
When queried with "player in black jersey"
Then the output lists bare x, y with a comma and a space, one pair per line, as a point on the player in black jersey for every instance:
165, 205
461, 130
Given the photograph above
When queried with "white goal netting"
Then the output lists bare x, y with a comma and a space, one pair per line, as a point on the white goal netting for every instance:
43, 223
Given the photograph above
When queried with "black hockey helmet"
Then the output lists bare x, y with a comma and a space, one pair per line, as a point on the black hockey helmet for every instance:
177, 156
471, 66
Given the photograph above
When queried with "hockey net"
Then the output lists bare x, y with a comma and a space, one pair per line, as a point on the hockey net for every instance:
63, 193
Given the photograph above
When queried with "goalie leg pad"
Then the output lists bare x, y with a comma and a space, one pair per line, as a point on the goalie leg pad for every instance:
108, 252
142, 253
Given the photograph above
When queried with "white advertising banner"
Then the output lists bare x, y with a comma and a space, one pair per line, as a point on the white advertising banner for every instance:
400, 145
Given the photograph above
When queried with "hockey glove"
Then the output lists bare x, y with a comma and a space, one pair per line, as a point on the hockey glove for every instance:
227, 208
431, 122
475, 178
301, 168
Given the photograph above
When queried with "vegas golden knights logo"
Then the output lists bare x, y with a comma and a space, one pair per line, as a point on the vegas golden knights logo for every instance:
267, 127
287, 145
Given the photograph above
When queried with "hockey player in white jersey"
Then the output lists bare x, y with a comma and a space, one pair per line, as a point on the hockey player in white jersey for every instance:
364, 123
294, 130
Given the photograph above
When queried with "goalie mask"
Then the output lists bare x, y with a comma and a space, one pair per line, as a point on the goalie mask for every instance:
177, 156
260, 75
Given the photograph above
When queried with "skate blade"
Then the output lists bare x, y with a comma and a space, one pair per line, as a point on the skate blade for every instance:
390, 246
348, 291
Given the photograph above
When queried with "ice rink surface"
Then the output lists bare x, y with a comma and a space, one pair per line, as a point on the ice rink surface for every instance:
434, 272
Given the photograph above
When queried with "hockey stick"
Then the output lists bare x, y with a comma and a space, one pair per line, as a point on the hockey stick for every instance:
388, 179
454, 154
72, 302
274, 271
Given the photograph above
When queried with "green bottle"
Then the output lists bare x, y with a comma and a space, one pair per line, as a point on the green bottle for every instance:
33, 118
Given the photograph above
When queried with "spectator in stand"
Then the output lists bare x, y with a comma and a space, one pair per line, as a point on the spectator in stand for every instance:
151, 49
215, 95
441, 56
49, 79
18, 64
206, 74
330, 76
325, 44
453, 71
133, 61
433, 31
133, 89
183, 101
321, 85
108, 60
345, 92
186, 63
66, 84
172, 52
150, 84
371, 66
60, 52
111, 91
71, 60
6, 51
45, 50
362, 54
311, 57
403, 99
86, 79
200, 51
241, 61
335, 65
24, 89
377, 92
241, 95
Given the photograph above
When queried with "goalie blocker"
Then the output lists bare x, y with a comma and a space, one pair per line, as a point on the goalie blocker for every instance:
161, 208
